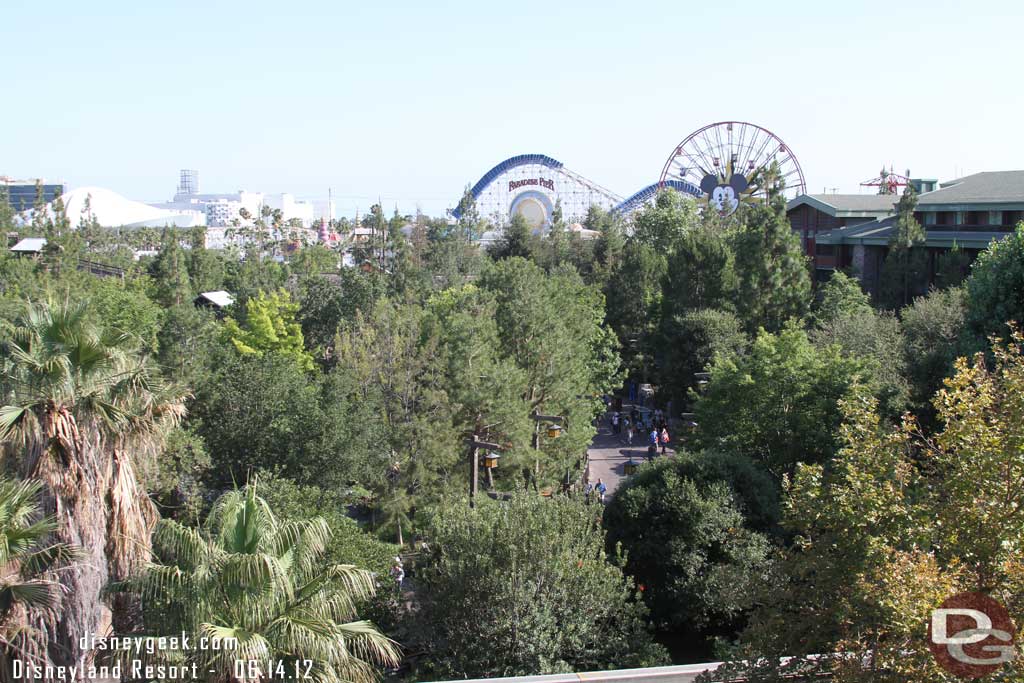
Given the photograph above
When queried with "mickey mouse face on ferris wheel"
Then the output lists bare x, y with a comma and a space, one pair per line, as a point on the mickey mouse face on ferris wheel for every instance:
724, 196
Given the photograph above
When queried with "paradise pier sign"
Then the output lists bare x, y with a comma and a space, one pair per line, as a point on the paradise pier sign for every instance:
542, 182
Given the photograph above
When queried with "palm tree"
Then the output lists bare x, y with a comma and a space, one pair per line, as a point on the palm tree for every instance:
78, 408
246, 578
28, 560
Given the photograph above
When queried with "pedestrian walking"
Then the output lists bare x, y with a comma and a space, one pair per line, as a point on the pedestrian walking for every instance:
398, 574
629, 433
663, 439
588, 493
601, 490
616, 427
652, 444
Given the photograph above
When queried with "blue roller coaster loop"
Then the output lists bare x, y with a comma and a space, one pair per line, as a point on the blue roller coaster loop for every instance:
508, 164
639, 198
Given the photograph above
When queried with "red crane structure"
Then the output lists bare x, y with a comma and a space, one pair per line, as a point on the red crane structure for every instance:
888, 182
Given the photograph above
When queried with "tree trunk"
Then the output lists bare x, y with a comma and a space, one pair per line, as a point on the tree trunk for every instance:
99, 508
74, 474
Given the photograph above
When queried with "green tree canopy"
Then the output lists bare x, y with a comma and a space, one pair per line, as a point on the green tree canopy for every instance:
778, 403
264, 412
877, 340
934, 331
516, 240
692, 531
691, 341
774, 278
700, 273
660, 225
329, 302
897, 523
840, 296
170, 271
270, 326
525, 587
994, 288
905, 271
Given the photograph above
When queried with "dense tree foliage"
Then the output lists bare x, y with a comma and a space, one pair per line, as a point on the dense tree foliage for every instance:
263, 412
774, 278
351, 393
245, 575
778, 403
525, 587
905, 270
883, 539
994, 288
838, 297
692, 529
692, 341
270, 326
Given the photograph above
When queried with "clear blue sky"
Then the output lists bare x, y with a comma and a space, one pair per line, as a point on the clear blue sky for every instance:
413, 100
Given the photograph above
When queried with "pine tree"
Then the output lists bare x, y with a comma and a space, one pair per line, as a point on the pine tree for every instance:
515, 241
6, 210
39, 211
904, 272
774, 277
469, 224
610, 243
558, 241
952, 267
170, 271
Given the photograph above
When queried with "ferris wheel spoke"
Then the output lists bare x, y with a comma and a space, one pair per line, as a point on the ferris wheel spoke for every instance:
722, 148
701, 160
706, 149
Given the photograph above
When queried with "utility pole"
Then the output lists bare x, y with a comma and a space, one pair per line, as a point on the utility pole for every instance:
474, 464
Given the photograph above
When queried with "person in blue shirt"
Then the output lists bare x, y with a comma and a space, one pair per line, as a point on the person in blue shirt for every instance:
652, 444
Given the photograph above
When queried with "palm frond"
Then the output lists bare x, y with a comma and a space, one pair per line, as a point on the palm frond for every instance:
34, 593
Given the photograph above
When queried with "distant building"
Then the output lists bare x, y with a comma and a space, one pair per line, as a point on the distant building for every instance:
109, 209
224, 212
292, 208
30, 246
968, 212
218, 300
811, 214
225, 208
22, 193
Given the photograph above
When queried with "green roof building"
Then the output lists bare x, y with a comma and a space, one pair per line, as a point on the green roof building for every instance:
852, 232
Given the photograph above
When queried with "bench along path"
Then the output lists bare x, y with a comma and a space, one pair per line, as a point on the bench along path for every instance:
609, 453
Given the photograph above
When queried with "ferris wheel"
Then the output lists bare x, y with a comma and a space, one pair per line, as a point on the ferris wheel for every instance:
730, 162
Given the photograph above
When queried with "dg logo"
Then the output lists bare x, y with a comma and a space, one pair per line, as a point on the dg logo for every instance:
971, 635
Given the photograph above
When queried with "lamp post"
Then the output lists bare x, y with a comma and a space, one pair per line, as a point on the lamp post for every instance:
474, 464
557, 420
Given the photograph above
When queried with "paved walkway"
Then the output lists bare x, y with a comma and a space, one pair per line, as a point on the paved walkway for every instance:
609, 452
